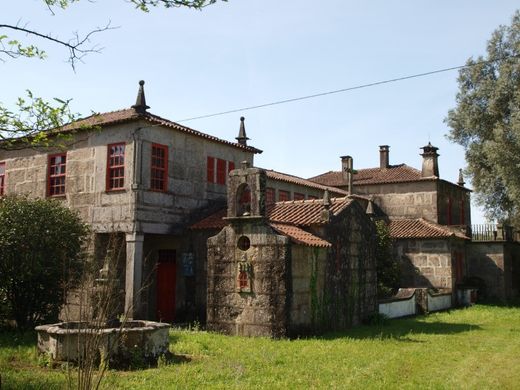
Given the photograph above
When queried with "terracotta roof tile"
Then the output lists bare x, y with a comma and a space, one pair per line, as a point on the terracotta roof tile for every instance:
214, 221
300, 236
127, 115
304, 212
274, 175
420, 228
288, 218
393, 174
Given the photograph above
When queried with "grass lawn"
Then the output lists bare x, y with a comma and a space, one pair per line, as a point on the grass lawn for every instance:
477, 347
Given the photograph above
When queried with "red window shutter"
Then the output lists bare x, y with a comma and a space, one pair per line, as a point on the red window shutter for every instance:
269, 195
462, 212
283, 195
211, 169
221, 171
159, 168
2, 178
231, 166
298, 196
116, 166
56, 174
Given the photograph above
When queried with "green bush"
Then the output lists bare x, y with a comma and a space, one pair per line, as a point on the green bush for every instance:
42, 254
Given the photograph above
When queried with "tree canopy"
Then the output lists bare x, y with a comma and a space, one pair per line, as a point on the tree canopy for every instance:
486, 122
33, 116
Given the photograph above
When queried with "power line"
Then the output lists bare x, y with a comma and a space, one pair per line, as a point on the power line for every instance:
345, 89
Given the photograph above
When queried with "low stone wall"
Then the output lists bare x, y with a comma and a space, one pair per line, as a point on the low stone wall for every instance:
412, 301
401, 305
438, 301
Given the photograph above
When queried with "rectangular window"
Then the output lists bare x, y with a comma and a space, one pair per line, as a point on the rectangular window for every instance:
159, 164
211, 169
221, 171
2, 178
312, 197
283, 195
115, 166
269, 195
462, 212
230, 167
56, 175
298, 196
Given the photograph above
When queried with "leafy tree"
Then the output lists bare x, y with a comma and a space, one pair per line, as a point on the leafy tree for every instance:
486, 122
42, 254
388, 270
33, 116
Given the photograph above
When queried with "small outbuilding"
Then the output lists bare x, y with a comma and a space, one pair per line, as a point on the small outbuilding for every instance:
289, 267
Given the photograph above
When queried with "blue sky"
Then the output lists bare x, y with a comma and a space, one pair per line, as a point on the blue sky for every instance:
249, 52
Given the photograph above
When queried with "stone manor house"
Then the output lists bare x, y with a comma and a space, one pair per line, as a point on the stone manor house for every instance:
209, 236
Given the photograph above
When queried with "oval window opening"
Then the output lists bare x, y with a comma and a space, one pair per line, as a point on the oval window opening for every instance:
243, 243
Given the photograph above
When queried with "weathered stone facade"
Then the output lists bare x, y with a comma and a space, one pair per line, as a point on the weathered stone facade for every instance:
429, 262
276, 285
497, 265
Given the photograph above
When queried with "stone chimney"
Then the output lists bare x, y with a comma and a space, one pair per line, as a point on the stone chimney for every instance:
347, 170
430, 165
461, 181
384, 156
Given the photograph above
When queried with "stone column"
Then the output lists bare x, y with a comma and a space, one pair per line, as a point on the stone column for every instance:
134, 271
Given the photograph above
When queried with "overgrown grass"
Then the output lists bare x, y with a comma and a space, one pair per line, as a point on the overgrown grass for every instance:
472, 348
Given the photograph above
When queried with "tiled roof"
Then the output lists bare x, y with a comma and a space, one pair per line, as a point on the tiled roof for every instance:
300, 236
274, 175
214, 221
394, 174
420, 228
288, 218
129, 114
304, 212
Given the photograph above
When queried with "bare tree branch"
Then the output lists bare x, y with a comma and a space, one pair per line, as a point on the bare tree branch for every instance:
76, 46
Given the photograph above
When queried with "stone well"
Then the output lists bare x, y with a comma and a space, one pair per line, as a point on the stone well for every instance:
66, 341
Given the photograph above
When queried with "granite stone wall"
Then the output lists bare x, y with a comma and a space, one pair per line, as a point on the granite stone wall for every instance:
425, 263
259, 308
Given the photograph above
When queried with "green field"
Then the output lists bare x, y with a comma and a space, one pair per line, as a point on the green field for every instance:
475, 348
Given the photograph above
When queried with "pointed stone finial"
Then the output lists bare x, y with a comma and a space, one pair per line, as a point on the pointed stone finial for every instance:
461, 179
370, 208
242, 137
140, 103
326, 199
326, 213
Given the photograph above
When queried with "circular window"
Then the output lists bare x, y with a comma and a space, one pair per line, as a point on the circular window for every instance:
243, 243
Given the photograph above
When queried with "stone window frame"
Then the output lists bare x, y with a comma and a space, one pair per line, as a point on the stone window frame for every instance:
2, 178
56, 174
116, 165
158, 171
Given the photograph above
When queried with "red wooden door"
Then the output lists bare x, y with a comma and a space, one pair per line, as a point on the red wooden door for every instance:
166, 276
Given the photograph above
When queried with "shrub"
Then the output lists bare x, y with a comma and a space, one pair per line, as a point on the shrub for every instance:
42, 254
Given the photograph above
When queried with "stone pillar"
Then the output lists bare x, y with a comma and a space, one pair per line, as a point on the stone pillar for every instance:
134, 271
